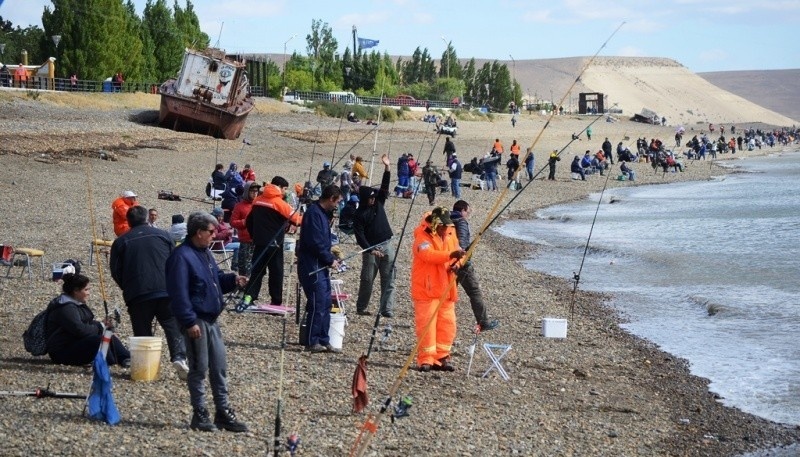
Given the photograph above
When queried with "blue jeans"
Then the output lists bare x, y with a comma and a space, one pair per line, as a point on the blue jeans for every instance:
207, 355
491, 180
455, 186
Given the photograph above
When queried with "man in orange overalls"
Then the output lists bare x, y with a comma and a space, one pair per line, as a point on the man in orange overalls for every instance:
120, 208
433, 271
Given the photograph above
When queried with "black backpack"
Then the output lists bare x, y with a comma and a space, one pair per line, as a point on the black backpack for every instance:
35, 338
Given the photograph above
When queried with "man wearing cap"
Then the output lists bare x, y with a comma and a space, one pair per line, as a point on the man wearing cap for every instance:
120, 208
372, 230
326, 176
266, 223
434, 263
238, 221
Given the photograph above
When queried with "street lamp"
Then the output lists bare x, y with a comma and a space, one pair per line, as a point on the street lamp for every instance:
56, 40
447, 55
283, 84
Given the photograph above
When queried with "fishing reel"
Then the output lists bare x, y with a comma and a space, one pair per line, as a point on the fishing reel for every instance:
402, 407
242, 305
292, 443
342, 267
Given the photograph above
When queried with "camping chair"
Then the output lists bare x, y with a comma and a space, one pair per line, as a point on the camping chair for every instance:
218, 248
345, 232
496, 358
25, 255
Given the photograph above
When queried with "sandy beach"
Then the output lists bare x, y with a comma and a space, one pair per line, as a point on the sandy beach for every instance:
600, 391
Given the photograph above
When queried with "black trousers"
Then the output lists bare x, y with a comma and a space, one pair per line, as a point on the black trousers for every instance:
267, 258
142, 315
83, 351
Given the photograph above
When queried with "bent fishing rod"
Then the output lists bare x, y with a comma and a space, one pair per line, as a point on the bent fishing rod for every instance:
370, 427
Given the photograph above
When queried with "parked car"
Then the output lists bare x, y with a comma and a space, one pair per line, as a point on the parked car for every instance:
407, 100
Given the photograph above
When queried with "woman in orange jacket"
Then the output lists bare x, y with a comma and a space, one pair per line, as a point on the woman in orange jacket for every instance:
435, 254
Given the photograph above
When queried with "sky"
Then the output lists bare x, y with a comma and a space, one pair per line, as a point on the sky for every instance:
702, 35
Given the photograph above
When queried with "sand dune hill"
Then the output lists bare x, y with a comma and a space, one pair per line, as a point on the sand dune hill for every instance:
673, 91
778, 90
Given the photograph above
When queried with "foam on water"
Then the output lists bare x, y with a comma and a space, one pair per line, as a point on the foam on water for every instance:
706, 270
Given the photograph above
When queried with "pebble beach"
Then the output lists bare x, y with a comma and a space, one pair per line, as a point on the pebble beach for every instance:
600, 391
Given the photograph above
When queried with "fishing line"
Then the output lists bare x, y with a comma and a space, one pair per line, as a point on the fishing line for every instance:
577, 276
370, 426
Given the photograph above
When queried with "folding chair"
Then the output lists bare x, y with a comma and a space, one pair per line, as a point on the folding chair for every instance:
25, 255
496, 358
345, 233
218, 248
103, 247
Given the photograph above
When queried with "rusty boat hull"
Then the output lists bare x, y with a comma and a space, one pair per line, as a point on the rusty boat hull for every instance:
211, 96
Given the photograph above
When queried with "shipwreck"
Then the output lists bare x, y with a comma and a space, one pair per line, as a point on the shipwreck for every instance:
211, 95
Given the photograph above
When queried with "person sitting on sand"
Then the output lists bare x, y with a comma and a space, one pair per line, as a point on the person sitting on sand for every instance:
576, 168
351, 116
73, 335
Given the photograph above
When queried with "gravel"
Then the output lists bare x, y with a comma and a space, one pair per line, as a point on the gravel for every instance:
600, 391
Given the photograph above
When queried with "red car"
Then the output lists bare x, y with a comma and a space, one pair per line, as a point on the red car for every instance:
407, 100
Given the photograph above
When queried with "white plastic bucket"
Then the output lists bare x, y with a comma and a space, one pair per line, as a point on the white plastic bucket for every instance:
336, 330
145, 357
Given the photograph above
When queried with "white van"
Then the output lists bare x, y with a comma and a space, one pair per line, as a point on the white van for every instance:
348, 98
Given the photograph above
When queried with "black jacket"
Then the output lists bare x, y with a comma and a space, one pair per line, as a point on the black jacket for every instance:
370, 224
137, 262
69, 321
462, 229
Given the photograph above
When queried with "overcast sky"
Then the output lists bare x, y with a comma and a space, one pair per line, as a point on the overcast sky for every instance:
703, 35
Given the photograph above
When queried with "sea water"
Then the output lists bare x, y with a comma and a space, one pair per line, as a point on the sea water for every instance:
709, 271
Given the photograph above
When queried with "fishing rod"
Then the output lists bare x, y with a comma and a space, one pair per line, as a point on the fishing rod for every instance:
314, 149
350, 256
168, 195
577, 276
359, 387
370, 427
375, 142
276, 444
336, 143
42, 392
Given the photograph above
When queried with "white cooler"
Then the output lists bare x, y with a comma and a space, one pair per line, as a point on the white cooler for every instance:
554, 328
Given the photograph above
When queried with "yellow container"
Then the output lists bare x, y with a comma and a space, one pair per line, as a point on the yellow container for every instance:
145, 357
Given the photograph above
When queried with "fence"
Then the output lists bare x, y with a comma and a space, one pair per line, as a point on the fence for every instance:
350, 98
65, 84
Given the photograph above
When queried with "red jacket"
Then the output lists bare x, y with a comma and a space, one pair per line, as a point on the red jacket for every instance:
248, 174
238, 217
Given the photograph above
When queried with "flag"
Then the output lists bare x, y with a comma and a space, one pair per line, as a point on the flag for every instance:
366, 43
100, 402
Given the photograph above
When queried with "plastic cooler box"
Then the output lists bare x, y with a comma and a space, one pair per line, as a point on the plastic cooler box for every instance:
554, 328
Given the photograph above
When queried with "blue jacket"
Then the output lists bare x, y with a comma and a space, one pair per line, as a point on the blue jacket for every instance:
314, 247
195, 285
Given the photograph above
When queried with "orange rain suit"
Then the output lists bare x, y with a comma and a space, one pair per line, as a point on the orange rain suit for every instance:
430, 276
120, 208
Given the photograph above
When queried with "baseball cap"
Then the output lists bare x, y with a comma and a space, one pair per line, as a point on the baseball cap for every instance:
128, 194
326, 165
443, 215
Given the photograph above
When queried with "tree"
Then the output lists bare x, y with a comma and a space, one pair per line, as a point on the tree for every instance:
450, 67
189, 27
168, 40
321, 47
471, 85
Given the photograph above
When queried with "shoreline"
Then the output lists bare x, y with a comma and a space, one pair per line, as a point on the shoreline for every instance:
601, 391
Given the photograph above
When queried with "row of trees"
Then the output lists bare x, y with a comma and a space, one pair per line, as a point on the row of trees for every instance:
376, 74
99, 38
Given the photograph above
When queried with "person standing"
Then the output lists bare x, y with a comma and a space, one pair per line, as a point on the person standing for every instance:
497, 148
551, 162
196, 286
430, 176
314, 261
120, 208
529, 162
455, 171
466, 274
434, 251
238, 221
269, 216
607, 151
589, 133
403, 175
372, 230
490, 163
449, 147
137, 262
